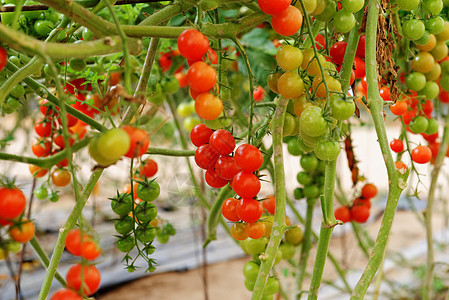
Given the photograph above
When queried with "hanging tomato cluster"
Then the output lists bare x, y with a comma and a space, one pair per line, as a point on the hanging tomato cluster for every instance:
201, 76
359, 211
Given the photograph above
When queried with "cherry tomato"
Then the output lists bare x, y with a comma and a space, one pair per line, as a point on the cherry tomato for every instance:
413, 29
192, 44
248, 158
255, 230
41, 148
399, 108
421, 154
344, 21
238, 231
337, 52
61, 177
360, 213
22, 232
12, 202
148, 168
249, 210
139, 141
37, 171
360, 52
200, 135
87, 276
228, 209
223, 141
287, 22
226, 168
74, 240
201, 77
3, 58
206, 156
258, 93
396, 145
369, 191
291, 85
208, 107
273, 7
359, 66
182, 79
269, 204
213, 180
343, 214
289, 57
148, 192
66, 294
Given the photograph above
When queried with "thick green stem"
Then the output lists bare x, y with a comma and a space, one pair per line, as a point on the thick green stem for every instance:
64, 230
327, 206
428, 279
279, 215
397, 181
45, 261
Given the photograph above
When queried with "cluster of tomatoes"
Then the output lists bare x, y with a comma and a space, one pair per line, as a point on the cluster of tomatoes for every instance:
251, 271
311, 177
214, 155
359, 211
286, 19
20, 229
83, 279
201, 76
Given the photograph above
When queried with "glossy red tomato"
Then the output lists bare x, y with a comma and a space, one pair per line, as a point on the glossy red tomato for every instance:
337, 52
206, 156
223, 141
369, 191
200, 135
421, 154
385, 93
213, 180
210, 57
430, 137
248, 158
288, 22
255, 230
148, 168
12, 202
271, 7
66, 294
246, 184
192, 44
249, 210
140, 141
74, 241
59, 141
90, 279
90, 250
226, 168
444, 97
258, 93
320, 42
165, 61
43, 127
360, 213
201, 77
343, 214
228, 209
396, 145
399, 108
41, 148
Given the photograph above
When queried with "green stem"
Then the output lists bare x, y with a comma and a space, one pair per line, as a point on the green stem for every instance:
124, 39
397, 181
30, 68
64, 230
306, 245
45, 261
170, 152
428, 279
279, 215
215, 214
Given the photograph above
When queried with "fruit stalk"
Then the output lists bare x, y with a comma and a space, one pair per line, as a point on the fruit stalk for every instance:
396, 181
279, 215
428, 279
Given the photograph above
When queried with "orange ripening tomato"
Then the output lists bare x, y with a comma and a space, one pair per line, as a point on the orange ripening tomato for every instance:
61, 177
37, 171
140, 141
208, 107
369, 191
22, 232
343, 214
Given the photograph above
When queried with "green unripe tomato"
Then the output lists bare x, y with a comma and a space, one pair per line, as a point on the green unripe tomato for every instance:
353, 5
77, 64
43, 27
171, 86
432, 126
329, 12
311, 191
423, 40
113, 144
288, 251
430, 90
18, 91
418, 124
327, 150
408, 4
415, 81
289, 125
87, 34
157, 96
41, 193
342, 109
432, 7
413, 29
308, 162
344, 21
293, 148
251, 270
125, 225
294, 236
13, 104
49, 71
272, 286
434, 25
148, 192
298, 193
